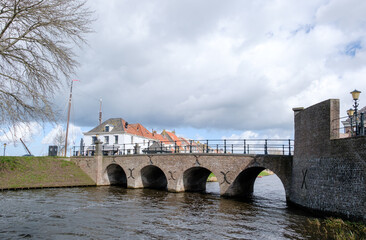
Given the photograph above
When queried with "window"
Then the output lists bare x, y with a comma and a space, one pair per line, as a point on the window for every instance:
116, 139
94, 139
106, 139
107, 128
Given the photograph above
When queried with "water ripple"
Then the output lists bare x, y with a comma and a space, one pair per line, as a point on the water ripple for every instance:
116, 213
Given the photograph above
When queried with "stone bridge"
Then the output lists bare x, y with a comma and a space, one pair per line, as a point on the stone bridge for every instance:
236, 173
327, 174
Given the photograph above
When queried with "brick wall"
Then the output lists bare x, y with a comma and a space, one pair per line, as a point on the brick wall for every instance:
329, 173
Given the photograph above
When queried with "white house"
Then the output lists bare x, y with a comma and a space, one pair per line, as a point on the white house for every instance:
119, 137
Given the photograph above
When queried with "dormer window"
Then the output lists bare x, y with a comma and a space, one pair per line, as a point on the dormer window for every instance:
107, 128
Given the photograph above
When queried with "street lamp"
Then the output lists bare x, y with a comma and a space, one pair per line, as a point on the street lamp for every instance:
4, 148
350, 113
355, 95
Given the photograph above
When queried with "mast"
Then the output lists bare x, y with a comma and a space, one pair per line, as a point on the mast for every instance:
100, 112
25, 146
68, 119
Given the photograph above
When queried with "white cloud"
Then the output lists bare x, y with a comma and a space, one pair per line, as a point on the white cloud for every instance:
74, 134
243, 135
25, 131
240, 66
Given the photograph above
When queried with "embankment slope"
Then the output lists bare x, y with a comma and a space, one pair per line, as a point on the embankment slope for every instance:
39, 172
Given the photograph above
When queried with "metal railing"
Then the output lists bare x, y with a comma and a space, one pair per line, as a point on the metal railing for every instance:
208, 146
351, 126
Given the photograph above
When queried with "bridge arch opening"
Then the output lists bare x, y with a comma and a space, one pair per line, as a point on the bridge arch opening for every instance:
153, 177
244, 184
195, 179
116, 175
270, 188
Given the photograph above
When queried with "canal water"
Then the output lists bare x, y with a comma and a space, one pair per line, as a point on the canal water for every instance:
117, 213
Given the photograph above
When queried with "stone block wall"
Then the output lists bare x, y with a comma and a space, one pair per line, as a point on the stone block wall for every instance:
328, 173
88, 165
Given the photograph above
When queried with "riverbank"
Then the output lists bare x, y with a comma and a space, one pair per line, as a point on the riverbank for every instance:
335, 228
266, 172
40, 172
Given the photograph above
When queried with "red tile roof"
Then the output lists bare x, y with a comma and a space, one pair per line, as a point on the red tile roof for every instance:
138, 129
173, 137
119, 125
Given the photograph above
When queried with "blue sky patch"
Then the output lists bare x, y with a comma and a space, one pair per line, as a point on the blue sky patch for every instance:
352, 48
303, 28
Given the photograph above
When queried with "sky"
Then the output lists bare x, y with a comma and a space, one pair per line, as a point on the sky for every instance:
212, 69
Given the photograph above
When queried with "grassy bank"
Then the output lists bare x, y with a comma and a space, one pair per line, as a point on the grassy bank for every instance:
334, 228
265, 173
38, 172
213, 178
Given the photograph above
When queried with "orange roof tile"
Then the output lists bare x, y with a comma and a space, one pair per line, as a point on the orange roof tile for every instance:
161, 138
184, 141
173, 137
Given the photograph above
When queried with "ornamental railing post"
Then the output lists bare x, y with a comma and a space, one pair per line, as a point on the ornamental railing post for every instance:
190, 146
206, 146
224, 145
289, 147
265, 147
362, 125
175, 146
245, 150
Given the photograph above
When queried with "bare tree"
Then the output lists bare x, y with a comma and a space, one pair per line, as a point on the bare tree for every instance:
59, 141
36, 54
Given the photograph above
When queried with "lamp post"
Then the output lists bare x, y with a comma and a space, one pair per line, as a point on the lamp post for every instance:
350, 113
4, 148
355, 95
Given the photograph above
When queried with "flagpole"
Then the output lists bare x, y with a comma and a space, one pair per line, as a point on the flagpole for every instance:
68, 119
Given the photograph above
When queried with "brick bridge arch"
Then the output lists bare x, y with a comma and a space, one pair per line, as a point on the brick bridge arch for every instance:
187, 172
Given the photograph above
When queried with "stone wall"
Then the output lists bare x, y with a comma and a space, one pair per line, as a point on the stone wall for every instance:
88, 165
329, 173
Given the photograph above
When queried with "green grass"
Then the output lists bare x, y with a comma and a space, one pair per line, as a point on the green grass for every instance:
211, 178
264, 173
30, 172
335, 228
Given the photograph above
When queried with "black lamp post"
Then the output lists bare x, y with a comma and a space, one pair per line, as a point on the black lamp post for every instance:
355, 95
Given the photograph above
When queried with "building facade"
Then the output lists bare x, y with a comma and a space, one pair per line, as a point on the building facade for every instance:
121, 138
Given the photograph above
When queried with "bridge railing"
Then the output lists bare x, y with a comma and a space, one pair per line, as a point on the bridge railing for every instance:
208, 146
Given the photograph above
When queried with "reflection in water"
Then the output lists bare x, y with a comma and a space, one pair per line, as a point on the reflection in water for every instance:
118, 213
